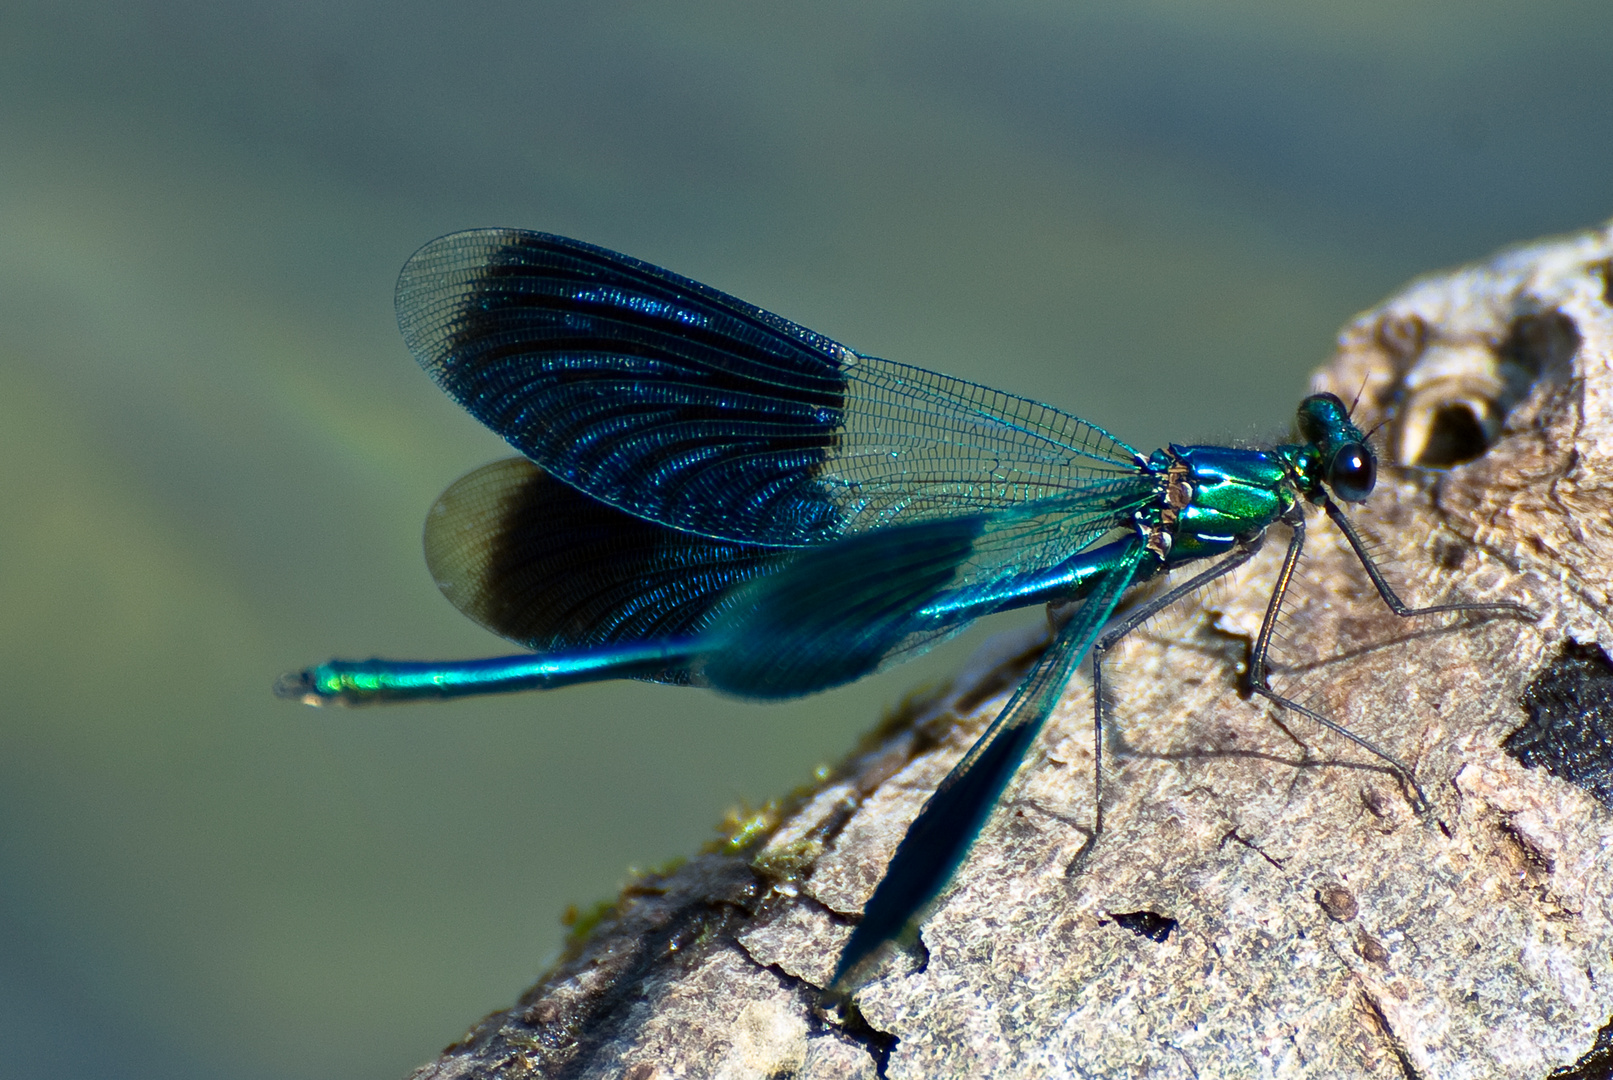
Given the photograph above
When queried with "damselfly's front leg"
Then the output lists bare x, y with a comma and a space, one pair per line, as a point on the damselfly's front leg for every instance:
1393, 601
1259, 675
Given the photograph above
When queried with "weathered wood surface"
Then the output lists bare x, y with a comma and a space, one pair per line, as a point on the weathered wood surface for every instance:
1323, 928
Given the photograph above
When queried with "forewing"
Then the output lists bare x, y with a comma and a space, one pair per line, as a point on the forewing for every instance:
542, 564
686, 406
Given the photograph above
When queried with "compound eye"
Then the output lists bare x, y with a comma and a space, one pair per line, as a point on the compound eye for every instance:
1352, 473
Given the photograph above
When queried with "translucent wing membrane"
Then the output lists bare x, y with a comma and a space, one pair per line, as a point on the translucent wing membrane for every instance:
542, 564
686, 406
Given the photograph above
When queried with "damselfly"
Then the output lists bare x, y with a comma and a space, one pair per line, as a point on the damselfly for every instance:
710, 494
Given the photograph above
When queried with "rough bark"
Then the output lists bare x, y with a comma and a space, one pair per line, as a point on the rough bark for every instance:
1265, 901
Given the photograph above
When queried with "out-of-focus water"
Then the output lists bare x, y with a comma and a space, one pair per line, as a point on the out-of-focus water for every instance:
216, 456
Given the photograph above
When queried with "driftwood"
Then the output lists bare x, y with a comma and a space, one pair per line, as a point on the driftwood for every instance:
1265, 901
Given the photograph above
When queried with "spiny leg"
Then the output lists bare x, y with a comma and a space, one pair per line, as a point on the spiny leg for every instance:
1259, 681
1395, 604
1111, 637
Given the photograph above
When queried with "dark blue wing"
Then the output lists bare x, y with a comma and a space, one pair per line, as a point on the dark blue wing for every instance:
940, 837
542, 564
685, 406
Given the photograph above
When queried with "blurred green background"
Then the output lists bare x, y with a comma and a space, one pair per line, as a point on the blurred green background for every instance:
216, 455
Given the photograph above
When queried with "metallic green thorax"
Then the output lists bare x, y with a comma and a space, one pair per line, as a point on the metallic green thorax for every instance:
1212, 496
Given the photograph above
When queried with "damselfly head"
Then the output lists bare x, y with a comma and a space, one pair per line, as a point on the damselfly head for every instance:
1349, 467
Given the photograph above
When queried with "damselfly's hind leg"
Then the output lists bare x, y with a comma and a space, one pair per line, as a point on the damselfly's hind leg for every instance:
1112, 637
